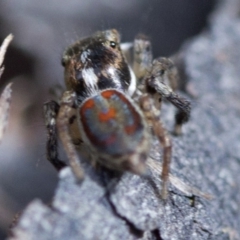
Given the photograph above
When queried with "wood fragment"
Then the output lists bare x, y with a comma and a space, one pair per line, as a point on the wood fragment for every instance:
5, 100
5, 97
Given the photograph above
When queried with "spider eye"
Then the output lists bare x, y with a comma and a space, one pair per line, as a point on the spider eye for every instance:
63, 62
113, 44
161, 72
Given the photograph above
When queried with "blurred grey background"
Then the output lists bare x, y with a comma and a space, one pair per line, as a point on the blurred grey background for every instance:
42, 30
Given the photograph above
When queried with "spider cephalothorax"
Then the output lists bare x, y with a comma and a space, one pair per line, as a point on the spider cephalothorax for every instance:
107, 107
97, 63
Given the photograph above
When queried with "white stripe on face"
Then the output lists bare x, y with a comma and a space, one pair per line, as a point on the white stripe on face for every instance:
114, 76
133, 83
90, 78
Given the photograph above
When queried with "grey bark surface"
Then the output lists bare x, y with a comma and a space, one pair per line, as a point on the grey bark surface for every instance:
206, 156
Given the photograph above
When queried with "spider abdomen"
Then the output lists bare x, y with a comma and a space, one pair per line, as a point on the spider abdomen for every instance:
112, 125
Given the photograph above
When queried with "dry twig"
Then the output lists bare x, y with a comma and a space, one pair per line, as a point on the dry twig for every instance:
6, 94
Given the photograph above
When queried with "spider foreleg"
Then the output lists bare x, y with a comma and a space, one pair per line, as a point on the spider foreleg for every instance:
183, 113
65, 112
156, 83
153, 115
50, 110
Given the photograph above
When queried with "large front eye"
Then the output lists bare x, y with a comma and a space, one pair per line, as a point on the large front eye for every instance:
63, 62
113, 44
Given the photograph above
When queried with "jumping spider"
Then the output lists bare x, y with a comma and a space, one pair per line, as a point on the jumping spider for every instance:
108, 107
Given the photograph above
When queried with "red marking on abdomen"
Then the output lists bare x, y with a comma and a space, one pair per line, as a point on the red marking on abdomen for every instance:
103, 117
130, 129
88, 104
107, 94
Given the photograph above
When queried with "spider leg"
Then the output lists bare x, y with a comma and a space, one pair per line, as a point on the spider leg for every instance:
158, 81
142, 56
169, 71
183, 113
50, 110
153, 115
65, 112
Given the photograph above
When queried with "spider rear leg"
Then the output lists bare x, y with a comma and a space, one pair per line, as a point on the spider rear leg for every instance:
153, 115
156, 83
50, 110
64, 116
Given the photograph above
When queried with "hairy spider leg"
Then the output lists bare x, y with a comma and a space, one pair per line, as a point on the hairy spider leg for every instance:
65, 112
50, 110
156, 83
153, 115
